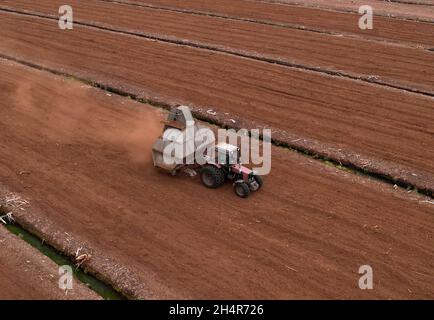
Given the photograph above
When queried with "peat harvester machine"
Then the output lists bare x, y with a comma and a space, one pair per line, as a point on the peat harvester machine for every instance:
215, 172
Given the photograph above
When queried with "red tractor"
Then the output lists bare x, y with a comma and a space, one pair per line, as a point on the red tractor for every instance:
215, 172
228, 168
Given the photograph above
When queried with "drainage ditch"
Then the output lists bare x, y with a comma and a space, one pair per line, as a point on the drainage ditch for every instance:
101, 288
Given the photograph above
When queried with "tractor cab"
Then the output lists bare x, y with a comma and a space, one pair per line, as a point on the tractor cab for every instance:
227, 154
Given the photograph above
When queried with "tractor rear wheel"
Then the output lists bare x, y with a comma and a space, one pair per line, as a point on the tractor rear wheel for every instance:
212, 176
242, 189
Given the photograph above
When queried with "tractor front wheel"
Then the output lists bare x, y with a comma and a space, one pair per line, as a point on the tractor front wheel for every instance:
212, 176
242, 189
259, 181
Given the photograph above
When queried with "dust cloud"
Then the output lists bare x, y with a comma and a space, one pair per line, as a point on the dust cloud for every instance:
138, 135
68, 112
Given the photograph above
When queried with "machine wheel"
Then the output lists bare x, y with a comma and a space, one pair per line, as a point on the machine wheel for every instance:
259, 181
242, 189
212, 176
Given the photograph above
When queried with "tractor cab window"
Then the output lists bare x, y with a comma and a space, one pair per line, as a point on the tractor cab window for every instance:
222, 156
233, 157
227, 157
